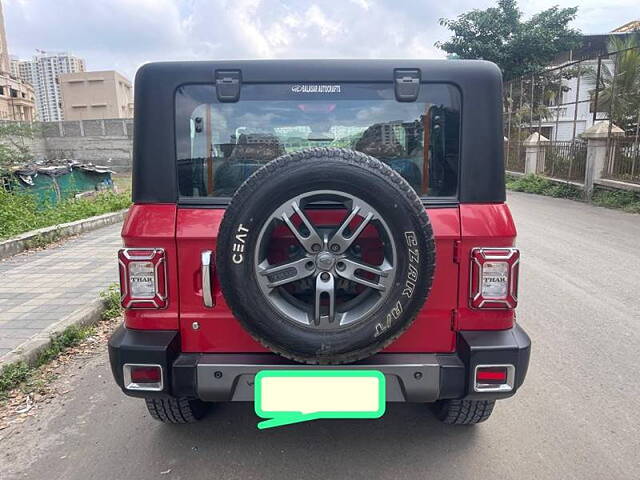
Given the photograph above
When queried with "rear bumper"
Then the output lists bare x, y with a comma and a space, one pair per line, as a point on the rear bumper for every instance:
411, 377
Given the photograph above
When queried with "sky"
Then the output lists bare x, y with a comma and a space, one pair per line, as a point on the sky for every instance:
123, 34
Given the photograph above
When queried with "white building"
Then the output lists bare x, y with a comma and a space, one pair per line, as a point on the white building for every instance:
563, 123
42, 72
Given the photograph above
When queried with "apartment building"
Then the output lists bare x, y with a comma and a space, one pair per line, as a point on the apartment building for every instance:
43, 73
17, 97
96, 95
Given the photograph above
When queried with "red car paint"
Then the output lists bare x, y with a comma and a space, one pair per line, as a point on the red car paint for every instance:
185, 232
154, 226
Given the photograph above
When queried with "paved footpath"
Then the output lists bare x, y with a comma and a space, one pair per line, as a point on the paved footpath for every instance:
40, 288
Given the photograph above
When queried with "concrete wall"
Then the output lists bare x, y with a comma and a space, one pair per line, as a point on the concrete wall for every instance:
101, 142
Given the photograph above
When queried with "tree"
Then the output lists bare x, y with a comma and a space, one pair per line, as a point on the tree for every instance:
619, 84
499, 35
14, 144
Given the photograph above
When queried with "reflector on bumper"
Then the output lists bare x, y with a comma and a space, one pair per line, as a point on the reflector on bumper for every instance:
142, 377
494, 378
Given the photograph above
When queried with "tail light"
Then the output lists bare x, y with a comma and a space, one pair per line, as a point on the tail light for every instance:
494, 278
142, 377
143, 277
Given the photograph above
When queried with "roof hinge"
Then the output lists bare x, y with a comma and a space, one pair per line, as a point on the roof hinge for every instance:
407, 84
454, 319
456, 251
228, 83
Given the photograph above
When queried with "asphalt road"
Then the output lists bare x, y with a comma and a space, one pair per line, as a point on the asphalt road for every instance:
577, 416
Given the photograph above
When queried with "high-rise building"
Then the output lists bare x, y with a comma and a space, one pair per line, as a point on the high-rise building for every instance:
14, 65
96, 95
43, 73
16, 95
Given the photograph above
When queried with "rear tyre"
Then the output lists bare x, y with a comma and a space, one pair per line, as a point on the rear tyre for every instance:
463, 412
176, 410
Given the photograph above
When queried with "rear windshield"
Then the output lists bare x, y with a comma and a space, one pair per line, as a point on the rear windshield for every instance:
219, 145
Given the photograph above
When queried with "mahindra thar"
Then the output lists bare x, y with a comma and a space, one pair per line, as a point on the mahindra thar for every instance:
311, 214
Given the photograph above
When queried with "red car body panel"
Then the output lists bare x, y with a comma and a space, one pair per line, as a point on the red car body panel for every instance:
154, 225
489, 225
185, 232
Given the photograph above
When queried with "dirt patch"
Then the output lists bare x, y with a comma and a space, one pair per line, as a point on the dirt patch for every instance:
52, 380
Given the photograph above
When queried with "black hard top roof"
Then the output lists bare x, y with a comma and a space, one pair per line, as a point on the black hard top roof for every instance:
480, 84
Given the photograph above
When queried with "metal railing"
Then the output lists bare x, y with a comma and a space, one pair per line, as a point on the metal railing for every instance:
565, 161
514, 156
560, 103
623, 163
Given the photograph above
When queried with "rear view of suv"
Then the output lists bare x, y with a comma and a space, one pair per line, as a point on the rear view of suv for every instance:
319, 215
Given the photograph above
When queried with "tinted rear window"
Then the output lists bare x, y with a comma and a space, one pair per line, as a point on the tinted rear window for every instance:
219, 145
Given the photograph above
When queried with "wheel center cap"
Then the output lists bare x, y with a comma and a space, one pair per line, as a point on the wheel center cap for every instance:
325, 261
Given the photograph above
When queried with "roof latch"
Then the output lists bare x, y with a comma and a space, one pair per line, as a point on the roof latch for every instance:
407, 84
228, 84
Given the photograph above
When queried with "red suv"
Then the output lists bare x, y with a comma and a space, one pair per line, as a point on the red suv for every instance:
314, 215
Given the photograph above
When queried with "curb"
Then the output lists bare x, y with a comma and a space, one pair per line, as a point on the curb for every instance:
36, 238
29, 350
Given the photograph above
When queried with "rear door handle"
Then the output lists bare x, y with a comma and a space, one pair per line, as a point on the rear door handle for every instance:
206, 278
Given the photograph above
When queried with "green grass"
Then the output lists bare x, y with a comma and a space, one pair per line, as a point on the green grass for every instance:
19, 212
111, 299
21, 374
616, 199
13, 375
542, 186
619, 199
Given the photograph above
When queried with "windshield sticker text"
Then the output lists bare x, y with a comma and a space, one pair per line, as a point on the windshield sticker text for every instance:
315, 89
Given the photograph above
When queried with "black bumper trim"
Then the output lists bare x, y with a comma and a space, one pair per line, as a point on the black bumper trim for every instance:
413, 377
159, 347
506, 347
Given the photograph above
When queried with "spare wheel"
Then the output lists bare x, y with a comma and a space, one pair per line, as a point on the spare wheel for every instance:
325, 255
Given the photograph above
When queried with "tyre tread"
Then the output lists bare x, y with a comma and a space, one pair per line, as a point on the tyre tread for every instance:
464, 412
174, 410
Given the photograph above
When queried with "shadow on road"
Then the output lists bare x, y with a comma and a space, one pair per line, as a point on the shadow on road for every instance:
229, 436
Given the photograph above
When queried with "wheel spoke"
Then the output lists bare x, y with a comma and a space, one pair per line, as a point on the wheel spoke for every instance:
343, 242
324, 283
307, 241
324, 289
351, 267
278, 275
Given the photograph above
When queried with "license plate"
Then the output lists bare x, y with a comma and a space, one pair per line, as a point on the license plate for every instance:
292, 396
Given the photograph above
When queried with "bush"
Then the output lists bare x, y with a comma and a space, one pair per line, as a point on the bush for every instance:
111, 299
627, 201
542, 186
19, 212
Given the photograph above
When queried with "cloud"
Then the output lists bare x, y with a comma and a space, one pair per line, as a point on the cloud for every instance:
123, 34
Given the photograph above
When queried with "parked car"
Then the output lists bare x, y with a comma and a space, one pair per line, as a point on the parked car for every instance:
319, 214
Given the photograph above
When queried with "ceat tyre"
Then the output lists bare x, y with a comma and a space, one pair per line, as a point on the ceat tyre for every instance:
325, 255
